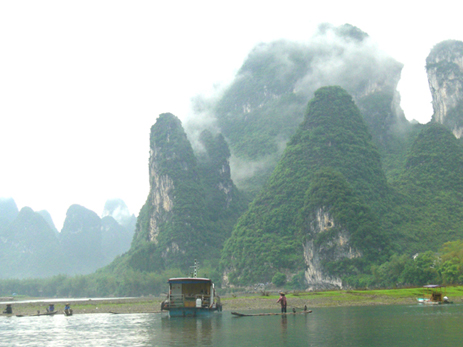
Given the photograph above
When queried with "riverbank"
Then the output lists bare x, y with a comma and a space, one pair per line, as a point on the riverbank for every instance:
243, 301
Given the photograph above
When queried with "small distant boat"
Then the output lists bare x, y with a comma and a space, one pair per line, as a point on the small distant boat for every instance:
434, 294
68, 312
191, 297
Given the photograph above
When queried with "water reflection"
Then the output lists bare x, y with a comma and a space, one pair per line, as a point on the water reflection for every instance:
190, 331
284, 329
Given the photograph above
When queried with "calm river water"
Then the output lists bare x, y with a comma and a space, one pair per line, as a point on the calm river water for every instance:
411, 325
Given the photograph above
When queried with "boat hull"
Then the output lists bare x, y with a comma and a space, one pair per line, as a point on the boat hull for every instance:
191, 312
430, 302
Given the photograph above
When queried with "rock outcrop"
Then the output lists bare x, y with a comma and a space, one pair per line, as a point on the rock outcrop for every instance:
192, 204
444, 67
175, 200
335, 229
314, 255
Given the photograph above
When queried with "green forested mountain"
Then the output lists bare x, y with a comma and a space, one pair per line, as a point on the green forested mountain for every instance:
224, 203
267, 238
192, 204
432, 186
171, 228
341, 235
391, 132
262, 108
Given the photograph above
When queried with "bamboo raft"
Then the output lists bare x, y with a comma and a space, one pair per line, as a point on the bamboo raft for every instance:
270, 314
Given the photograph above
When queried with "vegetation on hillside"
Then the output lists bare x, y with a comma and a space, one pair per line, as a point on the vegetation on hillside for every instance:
264, 105
203, 202
330, 192
431, 186
443, 267
333, 135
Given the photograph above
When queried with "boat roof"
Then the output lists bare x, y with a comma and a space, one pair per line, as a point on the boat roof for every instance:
189, 280
433, 286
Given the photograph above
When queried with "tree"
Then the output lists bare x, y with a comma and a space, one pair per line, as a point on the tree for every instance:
423, 270
279, 279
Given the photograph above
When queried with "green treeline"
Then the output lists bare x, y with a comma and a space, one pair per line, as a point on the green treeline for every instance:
444, 267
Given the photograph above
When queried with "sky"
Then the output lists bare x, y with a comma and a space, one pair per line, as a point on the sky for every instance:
82, 82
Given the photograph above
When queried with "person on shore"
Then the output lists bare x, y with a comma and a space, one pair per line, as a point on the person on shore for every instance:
283, 302
8, 309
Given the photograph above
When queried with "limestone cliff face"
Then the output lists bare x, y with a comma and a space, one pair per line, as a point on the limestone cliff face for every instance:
192, 203
173, 170
335, 246
444, 67
382, 82
161, 198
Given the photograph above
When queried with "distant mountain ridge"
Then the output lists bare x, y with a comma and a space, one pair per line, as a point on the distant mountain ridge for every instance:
31, 247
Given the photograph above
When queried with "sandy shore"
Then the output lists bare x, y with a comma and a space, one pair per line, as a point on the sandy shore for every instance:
118, 305
241, 303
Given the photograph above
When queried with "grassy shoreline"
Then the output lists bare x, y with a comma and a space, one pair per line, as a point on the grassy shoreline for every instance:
245, 301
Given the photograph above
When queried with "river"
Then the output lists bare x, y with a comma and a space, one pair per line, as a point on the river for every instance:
366, 326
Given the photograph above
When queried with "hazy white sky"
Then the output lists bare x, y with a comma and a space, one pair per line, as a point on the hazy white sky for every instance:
81, 82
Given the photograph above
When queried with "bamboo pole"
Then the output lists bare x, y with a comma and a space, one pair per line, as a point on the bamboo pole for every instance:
269, 314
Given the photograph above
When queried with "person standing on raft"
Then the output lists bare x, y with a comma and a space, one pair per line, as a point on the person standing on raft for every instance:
9, 309
282, 301
67, 310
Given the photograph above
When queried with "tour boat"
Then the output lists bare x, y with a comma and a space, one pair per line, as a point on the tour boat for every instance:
433, 295
191, 296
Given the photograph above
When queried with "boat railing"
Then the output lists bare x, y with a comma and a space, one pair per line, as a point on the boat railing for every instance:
176, 300
181, 300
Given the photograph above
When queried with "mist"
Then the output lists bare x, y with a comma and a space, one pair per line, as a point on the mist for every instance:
343, 55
